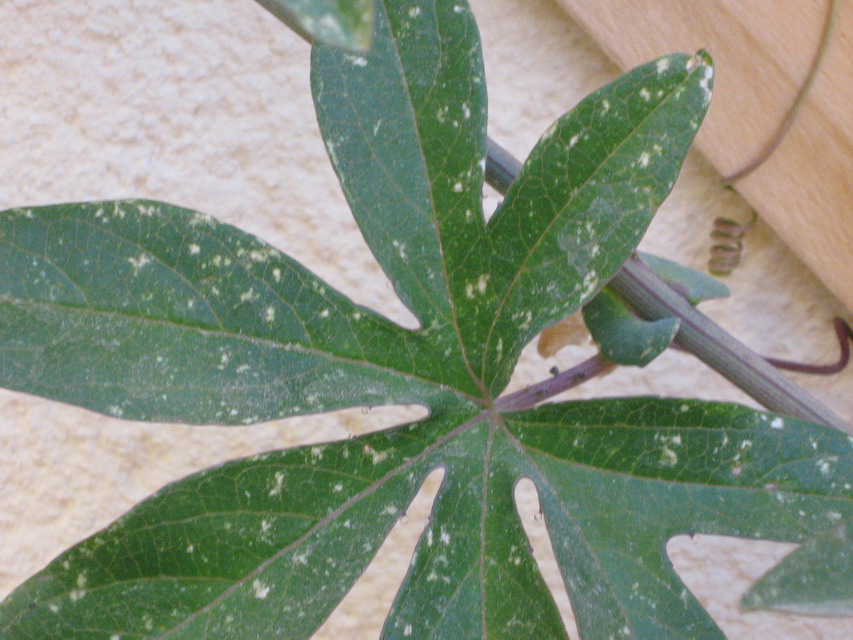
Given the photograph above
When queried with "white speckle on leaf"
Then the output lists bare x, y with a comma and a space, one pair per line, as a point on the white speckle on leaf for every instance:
645, 94
248, 295
523, 319
590, 282
376, 456
478, 287
138, 262
389, 509
662, 65
80, 591
324, 313
356, 61
444, 536
278, 485
190, 548
407, 630
777, 423
338, 488
276, 274
115, 411
466, 110
824, 465
574, 140
457, 188
269, 314
201, 219
260, 589
644, 159
194, 249
605, 105
414, 12
668, 457
260, 255
705, 82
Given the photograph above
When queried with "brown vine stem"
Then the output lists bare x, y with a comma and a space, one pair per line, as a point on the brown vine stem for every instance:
653, 299
799, 100
563, 381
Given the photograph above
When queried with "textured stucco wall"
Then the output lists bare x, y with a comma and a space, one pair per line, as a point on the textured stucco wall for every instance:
205, 103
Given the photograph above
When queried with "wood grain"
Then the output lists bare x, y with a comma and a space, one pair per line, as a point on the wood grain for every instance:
763, 51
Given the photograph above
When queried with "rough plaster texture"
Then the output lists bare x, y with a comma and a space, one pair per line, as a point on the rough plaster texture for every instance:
205, 103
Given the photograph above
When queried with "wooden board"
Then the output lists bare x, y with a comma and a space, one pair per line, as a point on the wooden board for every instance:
763, 52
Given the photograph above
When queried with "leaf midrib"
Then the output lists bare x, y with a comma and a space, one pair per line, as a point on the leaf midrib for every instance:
246, 338
454, 317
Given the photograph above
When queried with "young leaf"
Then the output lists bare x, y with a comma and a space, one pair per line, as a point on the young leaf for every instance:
694, 285
618, 478
148, 311
584, 198
342, 23
256, 548
816, 579
623, 337
405, 128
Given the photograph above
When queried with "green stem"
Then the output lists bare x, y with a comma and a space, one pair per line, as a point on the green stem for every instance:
653, 299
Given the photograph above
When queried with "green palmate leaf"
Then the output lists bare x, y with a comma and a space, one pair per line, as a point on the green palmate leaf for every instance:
693, 285
263, 547
617, 479
622, 336
405, 128
148, 311
342, 23
816, 579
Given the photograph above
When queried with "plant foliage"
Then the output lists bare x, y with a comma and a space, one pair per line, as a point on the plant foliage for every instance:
148, 311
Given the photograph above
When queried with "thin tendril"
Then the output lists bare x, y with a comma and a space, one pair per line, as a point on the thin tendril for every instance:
799, 100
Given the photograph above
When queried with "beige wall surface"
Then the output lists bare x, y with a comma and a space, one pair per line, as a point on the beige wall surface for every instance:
205, 103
